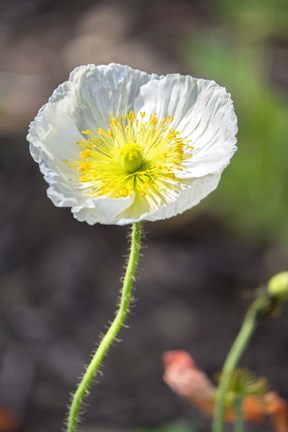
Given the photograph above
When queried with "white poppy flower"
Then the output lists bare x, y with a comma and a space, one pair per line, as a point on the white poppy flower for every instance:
118, 145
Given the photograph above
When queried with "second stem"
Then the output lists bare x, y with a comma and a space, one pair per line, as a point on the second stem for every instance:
259, 305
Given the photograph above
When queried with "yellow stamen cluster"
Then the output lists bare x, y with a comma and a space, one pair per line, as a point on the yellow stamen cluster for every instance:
135, 155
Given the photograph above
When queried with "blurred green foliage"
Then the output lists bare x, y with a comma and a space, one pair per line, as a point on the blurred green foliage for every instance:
253, 194
257, 18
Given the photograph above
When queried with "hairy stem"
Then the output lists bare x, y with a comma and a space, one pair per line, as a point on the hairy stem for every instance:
111, 335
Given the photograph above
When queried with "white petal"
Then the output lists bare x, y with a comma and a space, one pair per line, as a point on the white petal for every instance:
102, 210
93, 92
53, 135
203, 112
53, 140
198, 189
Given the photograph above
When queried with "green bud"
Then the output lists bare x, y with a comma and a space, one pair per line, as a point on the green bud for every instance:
278, 286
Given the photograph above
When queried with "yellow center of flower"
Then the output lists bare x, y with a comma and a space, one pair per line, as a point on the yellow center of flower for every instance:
134, 155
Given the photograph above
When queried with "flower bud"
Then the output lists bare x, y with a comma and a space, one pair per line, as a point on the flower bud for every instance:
278, 286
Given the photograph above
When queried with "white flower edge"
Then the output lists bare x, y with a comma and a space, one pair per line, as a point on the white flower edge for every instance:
202, 111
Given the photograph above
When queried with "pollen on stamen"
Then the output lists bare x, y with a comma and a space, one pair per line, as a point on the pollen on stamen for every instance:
136, 155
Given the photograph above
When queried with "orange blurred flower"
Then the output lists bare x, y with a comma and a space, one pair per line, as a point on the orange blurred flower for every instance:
183, 376
8, 421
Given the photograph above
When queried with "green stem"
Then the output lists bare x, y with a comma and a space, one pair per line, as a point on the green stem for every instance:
262, 303
239, 421
111, 335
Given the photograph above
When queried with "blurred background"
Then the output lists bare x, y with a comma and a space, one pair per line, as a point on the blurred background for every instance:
59, 279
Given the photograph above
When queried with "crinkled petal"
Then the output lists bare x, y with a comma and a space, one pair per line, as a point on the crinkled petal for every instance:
202, 111
93, 92
53, 135
53, 139
198, 189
